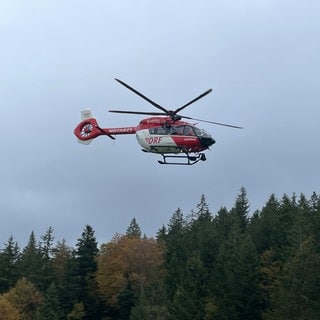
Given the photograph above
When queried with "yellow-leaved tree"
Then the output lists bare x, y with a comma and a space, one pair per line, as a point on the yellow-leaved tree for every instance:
25, 298
7, 310
125, 262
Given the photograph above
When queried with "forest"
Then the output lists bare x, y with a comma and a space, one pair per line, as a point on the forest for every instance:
231, 264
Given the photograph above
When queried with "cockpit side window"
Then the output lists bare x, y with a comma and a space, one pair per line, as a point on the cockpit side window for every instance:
176, 130
188, 131
183, 130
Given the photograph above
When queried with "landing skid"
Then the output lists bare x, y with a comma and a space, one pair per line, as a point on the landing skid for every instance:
188, 160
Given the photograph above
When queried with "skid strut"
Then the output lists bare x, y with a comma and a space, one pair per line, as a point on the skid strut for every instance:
188, 159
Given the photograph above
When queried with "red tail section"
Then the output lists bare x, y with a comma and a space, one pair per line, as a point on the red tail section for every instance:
88, 128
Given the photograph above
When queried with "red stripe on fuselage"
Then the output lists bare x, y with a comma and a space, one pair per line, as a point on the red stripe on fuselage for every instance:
188, 142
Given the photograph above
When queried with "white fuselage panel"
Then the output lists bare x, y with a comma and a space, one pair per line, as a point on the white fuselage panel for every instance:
156, 143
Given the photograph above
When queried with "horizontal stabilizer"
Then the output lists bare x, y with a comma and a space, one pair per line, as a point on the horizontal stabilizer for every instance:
85, 141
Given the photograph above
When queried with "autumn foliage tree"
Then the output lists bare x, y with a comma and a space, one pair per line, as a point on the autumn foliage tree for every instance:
128, 265
25, 298
8, 311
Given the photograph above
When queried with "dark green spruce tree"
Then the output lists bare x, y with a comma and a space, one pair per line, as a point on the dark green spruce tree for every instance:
240, 210
175, 252
64, 274
298, 289
265, 228
9, 257
193, 295
236, 275
86, 266
190, 296
31, 264
46, 247
50, 308
134, 229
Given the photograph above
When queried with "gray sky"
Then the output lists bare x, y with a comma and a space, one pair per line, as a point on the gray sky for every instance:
261, 57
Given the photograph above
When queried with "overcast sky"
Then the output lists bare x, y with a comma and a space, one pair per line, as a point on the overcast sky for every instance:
260, 57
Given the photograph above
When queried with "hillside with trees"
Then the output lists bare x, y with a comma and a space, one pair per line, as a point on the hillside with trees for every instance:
231, 264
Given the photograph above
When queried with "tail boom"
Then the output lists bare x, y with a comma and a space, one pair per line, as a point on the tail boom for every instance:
88, 129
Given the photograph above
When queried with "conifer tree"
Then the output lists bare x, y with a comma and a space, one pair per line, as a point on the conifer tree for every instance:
190, 254
235, 274
61, 255
175, 252
269, 274
9, 257
265, 228
246, 276
126, 300
46, 244
46, 248
201, 236
315, 218
223, 223
162, 234
191, 293
86, 252
297, 293
288, 213
152, 303
133, 229
50, 308
65, 274
240, 209
86, 266
30, 263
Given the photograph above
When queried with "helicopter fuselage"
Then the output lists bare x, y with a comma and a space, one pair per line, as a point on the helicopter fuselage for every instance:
162, 135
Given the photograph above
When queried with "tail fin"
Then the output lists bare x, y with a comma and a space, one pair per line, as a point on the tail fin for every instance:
86, 129
86, 114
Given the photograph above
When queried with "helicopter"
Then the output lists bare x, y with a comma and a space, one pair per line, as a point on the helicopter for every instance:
164, 133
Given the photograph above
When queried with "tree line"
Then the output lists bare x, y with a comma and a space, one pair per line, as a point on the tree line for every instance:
229, 265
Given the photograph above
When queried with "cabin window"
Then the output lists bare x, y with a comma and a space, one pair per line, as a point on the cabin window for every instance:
182, 130
176, 130
159, 130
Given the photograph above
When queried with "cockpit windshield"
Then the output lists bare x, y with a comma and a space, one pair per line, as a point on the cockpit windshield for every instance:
201, 133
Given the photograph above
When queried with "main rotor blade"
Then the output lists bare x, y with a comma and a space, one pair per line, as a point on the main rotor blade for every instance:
212, 122
139, 112
192, 101
142, 96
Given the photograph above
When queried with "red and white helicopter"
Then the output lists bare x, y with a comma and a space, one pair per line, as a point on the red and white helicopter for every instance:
177, 141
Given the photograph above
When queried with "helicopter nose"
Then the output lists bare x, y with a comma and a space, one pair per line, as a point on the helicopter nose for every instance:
207, 141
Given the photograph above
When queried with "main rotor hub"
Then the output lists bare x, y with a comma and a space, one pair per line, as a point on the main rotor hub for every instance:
175, 117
